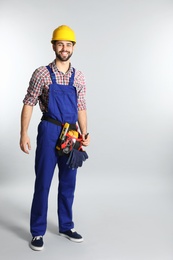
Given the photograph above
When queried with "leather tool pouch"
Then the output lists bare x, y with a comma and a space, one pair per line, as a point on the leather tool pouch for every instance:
69, 139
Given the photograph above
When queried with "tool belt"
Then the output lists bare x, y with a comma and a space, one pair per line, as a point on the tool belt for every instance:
69, 137
56, 122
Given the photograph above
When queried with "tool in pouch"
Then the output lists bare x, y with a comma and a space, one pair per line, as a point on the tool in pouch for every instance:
70, 143
69, 139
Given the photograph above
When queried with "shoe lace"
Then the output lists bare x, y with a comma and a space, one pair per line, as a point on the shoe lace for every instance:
37, 238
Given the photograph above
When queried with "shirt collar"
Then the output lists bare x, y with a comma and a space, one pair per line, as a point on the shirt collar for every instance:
55, 69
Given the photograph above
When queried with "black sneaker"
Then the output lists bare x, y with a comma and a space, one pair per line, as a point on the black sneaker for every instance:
37, 243
72, 235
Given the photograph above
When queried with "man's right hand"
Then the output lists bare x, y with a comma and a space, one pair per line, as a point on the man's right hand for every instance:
25, 144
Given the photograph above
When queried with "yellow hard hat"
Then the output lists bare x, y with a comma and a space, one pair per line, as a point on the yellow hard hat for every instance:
63, 33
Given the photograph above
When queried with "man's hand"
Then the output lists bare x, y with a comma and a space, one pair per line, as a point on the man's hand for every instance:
25, 144
85, 139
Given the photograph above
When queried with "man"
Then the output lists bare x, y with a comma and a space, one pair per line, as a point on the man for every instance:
60, 90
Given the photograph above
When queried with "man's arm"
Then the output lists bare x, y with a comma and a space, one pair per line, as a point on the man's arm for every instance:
82, 121
26, 114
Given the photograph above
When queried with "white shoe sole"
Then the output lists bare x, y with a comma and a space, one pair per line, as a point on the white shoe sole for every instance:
80, 240
36, 248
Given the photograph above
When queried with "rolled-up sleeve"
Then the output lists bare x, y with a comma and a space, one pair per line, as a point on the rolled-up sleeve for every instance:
80, 84
35, 89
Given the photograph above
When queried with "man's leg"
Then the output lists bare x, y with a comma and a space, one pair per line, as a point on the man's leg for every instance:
45, 163
67, 183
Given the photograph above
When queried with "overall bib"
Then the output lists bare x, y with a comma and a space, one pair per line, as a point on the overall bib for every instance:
62, 106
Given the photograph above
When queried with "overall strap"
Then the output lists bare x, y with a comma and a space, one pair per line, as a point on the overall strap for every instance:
52, 74
71, 80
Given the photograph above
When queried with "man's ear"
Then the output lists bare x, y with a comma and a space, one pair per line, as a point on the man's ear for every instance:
53, 46
74, 46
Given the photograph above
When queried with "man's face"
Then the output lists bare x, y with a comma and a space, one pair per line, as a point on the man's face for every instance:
63, 50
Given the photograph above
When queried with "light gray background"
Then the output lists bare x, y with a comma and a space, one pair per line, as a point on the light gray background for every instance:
123, 204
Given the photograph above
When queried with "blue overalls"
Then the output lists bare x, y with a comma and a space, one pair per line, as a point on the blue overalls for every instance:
62, 106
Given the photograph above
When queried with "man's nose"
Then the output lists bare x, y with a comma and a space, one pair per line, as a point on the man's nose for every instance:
64, 48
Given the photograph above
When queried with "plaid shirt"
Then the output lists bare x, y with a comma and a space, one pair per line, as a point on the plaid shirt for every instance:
39, 86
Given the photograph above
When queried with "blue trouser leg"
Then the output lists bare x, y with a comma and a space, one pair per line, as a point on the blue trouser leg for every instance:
45, 163
67, 182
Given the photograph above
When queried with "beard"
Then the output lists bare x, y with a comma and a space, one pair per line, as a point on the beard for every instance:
60, 57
